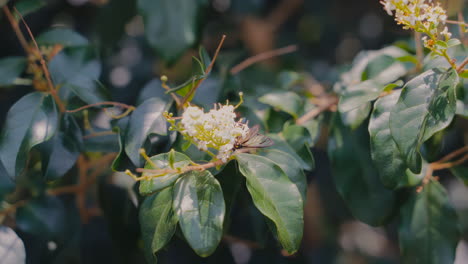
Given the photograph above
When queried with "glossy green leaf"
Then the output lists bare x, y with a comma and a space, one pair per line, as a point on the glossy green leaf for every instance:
162, 162
171, 26
300, 140
387, 158
61, 152
30, 121
158, 222
385, 68
275, 196
10, 69
25, 7
280, 143
77, 71
288, 102
199, 205
63, 36
43, 216
359, 94
426, 105
12, 249
146, 119
290, 167
356, 179
428, 230
354, 118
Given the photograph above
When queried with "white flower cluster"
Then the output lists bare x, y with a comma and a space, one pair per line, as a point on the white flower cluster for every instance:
421, 15
216, 129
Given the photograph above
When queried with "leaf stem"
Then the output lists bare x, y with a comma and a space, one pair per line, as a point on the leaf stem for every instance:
462, 65
261, 57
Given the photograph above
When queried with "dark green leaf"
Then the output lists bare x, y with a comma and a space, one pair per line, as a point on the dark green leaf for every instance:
170, 25
30, 121
428, 227
26, 7
77, 71
359, 94
146, 120
10, 69
12, 249
162, 162
355, 117
158, 222
63, 36
385, 154
288, 102
299, 139
281, 144
122, 162
290, 167
199, 205
61, 152
44, 216
275, 196
426, 105
356, 179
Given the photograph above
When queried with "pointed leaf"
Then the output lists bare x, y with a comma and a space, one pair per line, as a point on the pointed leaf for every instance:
199, 205
12, 249
428, 227
146, 120
25, 7
30, 121
275, 196
61, 152
426, 105
158, 222
162, 162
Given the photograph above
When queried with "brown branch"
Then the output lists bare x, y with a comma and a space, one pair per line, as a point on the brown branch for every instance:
453, 154
462, 65
99, 104
207, 71
454, 22
419, 50
261, 57
330, 101
45, 70
15, 26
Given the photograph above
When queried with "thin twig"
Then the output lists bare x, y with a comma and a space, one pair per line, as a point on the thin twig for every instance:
207, 71
330, 101
261, 57
45, 70
100, 104
453, 154
456, 22
15, 26
462, 65
444, 163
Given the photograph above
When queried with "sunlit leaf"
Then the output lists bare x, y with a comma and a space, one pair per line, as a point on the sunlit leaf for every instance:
275, 196
199, 205
426, 105
30, 121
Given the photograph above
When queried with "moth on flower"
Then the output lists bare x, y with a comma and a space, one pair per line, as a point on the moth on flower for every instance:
218, 130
